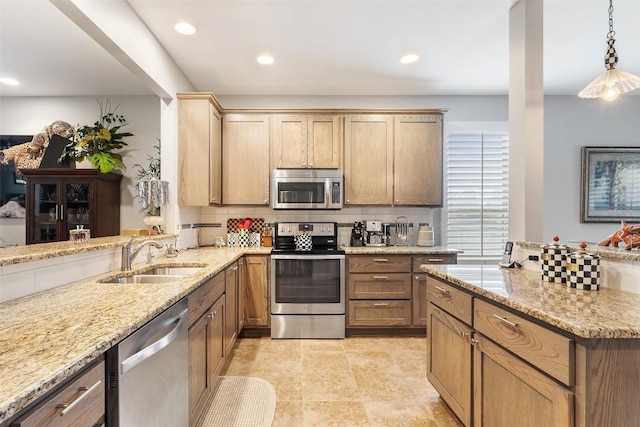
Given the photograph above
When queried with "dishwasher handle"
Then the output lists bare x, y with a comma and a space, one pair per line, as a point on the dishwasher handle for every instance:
140, 356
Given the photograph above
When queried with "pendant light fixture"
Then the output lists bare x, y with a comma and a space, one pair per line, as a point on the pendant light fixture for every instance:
612, 82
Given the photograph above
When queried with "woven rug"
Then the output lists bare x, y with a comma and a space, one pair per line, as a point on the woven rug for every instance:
240, 402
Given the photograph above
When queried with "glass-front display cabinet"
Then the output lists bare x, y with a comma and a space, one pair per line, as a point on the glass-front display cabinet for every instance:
60, 200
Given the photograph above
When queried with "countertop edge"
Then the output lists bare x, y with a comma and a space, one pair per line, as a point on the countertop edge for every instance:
581, 332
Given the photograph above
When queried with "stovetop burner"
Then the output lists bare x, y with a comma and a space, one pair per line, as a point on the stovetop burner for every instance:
324, 238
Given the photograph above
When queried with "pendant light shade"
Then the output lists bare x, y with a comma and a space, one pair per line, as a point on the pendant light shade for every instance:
612, 82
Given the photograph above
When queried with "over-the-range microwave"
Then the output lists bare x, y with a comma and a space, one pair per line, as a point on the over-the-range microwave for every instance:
306, 189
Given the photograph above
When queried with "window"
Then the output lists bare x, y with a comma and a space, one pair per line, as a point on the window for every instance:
477, 177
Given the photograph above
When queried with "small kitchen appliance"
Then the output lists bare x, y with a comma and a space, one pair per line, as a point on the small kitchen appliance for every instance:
357, 234
307, 285
306, 189
374, 235
425, 235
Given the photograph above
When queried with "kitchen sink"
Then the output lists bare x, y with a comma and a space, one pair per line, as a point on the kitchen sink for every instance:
172, 271
145, 278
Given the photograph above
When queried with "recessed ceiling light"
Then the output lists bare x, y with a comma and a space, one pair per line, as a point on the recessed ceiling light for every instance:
265, 59
185, 28
409, 59
9, 81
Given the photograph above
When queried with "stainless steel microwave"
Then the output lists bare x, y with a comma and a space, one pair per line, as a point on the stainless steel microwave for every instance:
306, 189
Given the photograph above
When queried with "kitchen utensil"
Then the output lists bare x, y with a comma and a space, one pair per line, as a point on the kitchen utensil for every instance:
402, 231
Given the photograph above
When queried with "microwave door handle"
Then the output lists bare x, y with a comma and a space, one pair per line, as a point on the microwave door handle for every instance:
327, 194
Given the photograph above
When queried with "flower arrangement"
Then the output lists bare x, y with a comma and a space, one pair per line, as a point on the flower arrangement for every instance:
98, 142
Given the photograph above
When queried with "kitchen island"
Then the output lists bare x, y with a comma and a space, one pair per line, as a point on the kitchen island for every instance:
519, 347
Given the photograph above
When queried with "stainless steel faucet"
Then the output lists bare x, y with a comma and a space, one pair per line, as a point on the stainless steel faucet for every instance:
128, 255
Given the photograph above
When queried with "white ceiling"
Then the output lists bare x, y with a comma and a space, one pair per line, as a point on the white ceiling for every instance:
321, 47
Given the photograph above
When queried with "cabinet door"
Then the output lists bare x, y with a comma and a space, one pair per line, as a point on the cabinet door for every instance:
242, 295
256, 286
417, 156
44, 204
194, 139
289, 141
215, 157
78, 209
324, 142
231, 312
379, 313
368, 160
216, 337
419, 285
200, 357
510, 392
245, 159
449, 361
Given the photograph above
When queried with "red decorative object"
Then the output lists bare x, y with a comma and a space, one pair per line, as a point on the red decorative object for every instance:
556, 238
583, 245
629, 234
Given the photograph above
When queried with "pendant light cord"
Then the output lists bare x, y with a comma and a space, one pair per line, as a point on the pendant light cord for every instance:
611, 33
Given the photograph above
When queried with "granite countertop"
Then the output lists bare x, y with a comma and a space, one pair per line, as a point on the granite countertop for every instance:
48, 336
606, 313
400, 250
610, 252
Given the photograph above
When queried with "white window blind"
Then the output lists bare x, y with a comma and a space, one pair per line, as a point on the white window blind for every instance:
478, 194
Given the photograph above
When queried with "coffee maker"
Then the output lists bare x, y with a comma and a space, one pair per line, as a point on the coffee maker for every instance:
374, 234
357, 234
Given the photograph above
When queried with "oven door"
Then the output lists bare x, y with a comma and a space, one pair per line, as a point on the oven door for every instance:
307, 284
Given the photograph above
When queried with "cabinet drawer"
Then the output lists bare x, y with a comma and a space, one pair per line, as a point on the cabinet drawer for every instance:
380, 264
450, 299
380, 313
202, 298
380, 286
547, 350
84, 400
433, 259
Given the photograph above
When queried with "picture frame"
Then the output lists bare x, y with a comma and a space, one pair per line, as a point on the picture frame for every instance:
610, 184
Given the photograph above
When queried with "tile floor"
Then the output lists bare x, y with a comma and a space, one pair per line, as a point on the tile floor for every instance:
359, 381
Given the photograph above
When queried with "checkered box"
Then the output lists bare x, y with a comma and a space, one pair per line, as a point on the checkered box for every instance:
554, 263
584, 271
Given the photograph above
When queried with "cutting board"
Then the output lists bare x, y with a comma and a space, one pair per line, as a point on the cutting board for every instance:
257, 226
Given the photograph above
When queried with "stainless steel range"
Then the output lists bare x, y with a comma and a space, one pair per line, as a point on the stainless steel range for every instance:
307, 281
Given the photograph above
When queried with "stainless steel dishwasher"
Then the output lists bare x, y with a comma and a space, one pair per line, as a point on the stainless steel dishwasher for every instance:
148, 374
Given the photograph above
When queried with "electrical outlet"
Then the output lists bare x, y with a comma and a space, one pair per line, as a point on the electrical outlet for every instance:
534, 258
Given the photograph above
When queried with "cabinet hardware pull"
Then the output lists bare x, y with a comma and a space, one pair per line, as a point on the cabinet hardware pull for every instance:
383, 304
474, 341
85, 391
380, 260
381, 277
505, 321
421, 279
442, 290
435, 259
464, 334
235, 268
310, 165
61, 212
57, 211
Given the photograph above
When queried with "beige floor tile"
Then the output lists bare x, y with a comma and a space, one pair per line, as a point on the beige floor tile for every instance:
383, 386
442, 414
323, 362
288, 385
288, 414
330, 386
237, 367
398, 414
403, 343
422, 387
372, 361
281, 346
334, 414
322, 345
361, 344
413, 362
280, 361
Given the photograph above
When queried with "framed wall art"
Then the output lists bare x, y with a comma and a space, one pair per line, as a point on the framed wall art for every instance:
610, 185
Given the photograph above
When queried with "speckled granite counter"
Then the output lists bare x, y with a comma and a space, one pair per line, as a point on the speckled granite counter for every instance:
48, 336
400, 250
609, 252
26, 253
606, 313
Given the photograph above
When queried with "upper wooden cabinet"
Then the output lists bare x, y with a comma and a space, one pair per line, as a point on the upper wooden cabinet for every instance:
306, 141
245, 159
417, 177
368, 160
199, 150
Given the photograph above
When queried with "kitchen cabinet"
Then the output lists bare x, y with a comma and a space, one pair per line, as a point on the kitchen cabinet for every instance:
59, 200
368, 159
419, 284
231, 314
79, 401
206, 342
199, 150
255, 275
245, 159
306, 141
417, 156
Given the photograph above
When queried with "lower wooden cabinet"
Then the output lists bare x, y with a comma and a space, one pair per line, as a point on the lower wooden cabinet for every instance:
509, 392
81, 402
419, 290
255, 277
231, 313
380, 313
449, 361
207, 308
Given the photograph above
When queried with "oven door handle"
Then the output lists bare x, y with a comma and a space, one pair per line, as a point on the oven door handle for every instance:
308, 256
